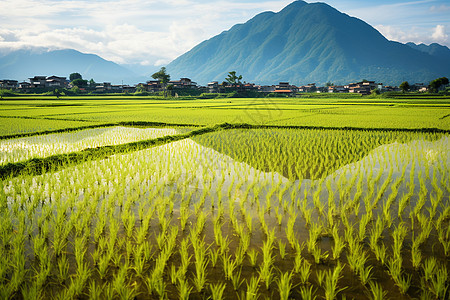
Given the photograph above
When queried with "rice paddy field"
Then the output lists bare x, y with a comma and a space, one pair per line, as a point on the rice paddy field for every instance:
308, 200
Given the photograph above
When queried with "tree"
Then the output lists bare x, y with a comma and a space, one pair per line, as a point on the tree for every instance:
163, 78
79, 82
404, 86
329, 83
57, 93
233, 79
92, 83
437, 83
75, 76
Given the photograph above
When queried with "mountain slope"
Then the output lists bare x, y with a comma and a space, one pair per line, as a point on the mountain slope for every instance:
22, 64
306, 43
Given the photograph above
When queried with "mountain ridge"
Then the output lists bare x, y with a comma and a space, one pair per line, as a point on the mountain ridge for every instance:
25, 63
306, 42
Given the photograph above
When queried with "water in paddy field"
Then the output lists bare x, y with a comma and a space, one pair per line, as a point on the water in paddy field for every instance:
242, 187
20, 149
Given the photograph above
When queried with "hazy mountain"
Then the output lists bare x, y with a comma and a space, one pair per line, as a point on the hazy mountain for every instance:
22, 64
436, 50
305, 43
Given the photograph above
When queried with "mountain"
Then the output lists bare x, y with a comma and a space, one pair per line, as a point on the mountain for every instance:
22, 64
305, 43
436, 50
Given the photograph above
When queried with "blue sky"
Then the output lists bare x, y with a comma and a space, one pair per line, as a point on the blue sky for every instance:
152, 33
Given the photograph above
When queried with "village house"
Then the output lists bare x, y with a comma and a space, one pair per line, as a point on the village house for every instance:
285, 88
309, 88
38, 81
418, 87
8, 84
249, 87
337, 89
48, 82
267, 88
363, 87
213, 87
388, 88
25, 86
56, 82
128, 89
116, 88
183, 83
151, 86
103, 87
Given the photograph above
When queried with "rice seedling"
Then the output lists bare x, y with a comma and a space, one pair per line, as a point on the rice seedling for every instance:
103, 264
320, 274
439, 285
213, 256
63, 269
252, 288
82, 275
184, 290
377, 291
365, 274
239, 255
217, 290
229, 265
305, 271
282, 249
380, 253
339, 243
95, 290
30, 291
266, 269
429, 268
307, 293
403, 283
284, 285
253, 257
331, 282
236, 280
201, 265
416, 257
362, 227
318, 255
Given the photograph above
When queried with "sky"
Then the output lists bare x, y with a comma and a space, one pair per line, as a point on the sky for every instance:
153, 33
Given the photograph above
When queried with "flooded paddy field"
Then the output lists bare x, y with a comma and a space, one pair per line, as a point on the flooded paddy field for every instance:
232, 214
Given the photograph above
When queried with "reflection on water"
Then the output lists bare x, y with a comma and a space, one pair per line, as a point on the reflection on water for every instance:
305, 153
20, 149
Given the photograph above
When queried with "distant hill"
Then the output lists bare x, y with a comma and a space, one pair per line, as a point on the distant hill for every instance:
440, 52
22, 64
305, 43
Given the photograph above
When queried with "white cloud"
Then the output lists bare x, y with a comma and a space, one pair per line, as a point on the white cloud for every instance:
415, 34
133, 31
439, 34
395, 33
439, 8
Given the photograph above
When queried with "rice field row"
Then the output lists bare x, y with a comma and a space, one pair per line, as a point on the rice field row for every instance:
198, 218
368, 113
21, 149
